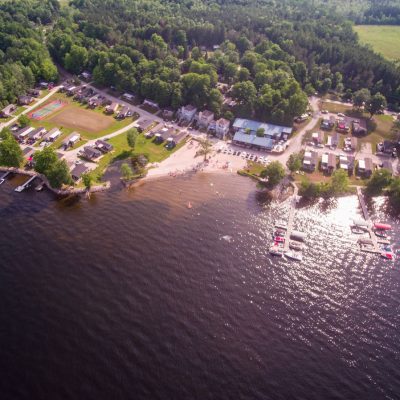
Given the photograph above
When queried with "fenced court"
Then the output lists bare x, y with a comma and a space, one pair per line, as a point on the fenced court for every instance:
46, 110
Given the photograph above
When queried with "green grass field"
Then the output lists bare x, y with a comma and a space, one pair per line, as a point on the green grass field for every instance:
384, 39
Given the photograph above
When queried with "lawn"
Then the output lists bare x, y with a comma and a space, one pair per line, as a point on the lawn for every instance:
91, 124
308, 135
153, 152
384, 39
335, 108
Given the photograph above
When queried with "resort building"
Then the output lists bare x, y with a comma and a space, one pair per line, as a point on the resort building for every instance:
78, 171
72, 139
204, 118
22, 134
222, 127
187, 113
25, 100
104, 146
91, 153
53, 135
365, 167
246, 134
310, 160
35, 135
112, 108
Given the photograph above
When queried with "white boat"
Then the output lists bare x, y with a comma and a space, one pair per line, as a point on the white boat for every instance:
296, 245
19, 189
292, 255
358, 229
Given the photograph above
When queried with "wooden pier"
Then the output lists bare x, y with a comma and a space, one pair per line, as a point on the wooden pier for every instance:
26, 184
374, 238
5, 175
292, 210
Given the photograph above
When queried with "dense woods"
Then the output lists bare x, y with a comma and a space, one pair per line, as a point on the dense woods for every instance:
273, 53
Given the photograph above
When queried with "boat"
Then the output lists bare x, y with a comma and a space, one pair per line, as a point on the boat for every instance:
296, 245
19, 189
300, 236
292, 255
279, 239
381, 234
39, 188
358, 229
361, 223
189, 204
388, 255
275, 250
280, 225
382, 227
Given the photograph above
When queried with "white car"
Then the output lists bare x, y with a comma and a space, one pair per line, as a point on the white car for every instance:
244, 154
341, 115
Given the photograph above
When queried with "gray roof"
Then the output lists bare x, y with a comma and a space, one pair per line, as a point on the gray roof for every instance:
79, 170
265, 142
269, 129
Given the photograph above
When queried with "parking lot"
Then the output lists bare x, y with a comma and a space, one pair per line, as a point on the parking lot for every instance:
250, 156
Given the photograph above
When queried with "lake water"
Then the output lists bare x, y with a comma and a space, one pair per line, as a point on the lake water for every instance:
131, 295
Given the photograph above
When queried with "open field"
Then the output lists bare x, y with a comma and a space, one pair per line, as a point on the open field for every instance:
384, 39
73, 116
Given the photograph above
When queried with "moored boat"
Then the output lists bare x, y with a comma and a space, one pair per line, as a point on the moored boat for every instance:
296, 245
275, 250
292, 255
382, 227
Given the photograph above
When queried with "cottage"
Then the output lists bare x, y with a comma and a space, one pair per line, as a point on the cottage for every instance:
168, 114
71, 140
388, 165
87, 76
28, 152
129, 97
8, 110
151, 104
310, 160
34, 92
328, 162
93, 101
318, 137
22, 134
91, 153
112, 108
222, 128
187, 113
25, 100
35, 135
346, 162
53, 135
144, 124
104, 146
204, 118
78, 171
44, 85
124, 112
72, 90
365, 167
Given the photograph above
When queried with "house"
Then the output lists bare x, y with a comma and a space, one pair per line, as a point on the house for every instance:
129, 97
72, 139
91, 153
252, 140
168, 114
22, 134
104, 146
274, 132
318, 137
43, 85
388, 165
187, 113
359, 129
389, 147
34, 92
78, 171
353, 143
93, 101
72, 90
35, 135
346, 162
25, 100
87, 76
151, 104
328, 162
53, 135
8, 110
144, 124
310, 160
112, 108
222, 128
204, 118
124, 112
365, 167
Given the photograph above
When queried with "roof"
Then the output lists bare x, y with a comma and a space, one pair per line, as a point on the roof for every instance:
9, 108
79, 170
310, 157
254, 140
36, 131
189, 107
269, 129
54, 130
223, 121
207, 113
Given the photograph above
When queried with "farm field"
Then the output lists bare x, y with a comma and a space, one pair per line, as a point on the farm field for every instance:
73, 116
384, 39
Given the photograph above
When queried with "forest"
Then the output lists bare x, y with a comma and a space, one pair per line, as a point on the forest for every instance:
273, 53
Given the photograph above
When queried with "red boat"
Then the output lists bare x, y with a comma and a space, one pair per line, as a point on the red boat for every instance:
382, 227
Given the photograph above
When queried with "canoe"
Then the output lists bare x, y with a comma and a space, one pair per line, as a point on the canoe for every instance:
298, 236
382, 227
296, 245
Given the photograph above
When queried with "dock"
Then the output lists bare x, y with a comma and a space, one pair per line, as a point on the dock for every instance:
292, 211
26, 184
5, 175
375, 245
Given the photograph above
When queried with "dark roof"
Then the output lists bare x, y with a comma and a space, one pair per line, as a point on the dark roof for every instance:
104, 144
368, 164
79, 170
91, 152
388, 146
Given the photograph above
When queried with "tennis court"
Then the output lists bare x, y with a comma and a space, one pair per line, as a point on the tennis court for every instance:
47, 109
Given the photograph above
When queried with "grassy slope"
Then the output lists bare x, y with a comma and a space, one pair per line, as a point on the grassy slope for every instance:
384, 39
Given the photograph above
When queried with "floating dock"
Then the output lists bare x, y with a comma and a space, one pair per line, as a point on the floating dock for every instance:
289, 228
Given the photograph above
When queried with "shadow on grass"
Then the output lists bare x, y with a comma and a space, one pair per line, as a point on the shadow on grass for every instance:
122, 156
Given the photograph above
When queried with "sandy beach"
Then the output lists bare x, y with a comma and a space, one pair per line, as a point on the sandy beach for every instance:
185, 161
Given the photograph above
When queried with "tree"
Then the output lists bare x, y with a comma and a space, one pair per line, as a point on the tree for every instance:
294, 162
243, 74
10, 152
260, 132
394, 191
126, 172
59, 174
375, 104
87, 181
23, 121
360, 97
275, 172
380, 179
131, 137
75, 61
206, 148
339, 181
44, 160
